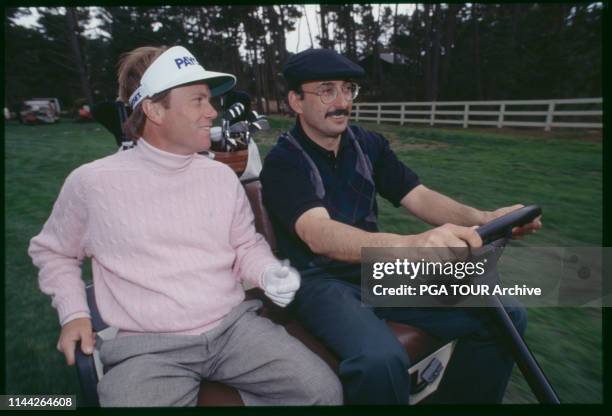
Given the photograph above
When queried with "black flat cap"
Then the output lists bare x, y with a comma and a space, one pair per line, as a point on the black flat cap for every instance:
318, 65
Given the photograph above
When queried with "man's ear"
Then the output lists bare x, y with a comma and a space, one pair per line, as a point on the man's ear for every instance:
153, 111
295, 102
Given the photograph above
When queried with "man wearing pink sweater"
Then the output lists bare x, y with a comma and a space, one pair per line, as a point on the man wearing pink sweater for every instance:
171, 238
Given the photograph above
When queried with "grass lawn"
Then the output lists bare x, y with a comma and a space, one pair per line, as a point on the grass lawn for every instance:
484, 168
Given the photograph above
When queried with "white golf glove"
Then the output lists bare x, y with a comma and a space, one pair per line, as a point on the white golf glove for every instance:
280, 282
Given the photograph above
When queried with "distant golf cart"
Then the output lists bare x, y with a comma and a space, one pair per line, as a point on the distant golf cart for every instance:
39, 111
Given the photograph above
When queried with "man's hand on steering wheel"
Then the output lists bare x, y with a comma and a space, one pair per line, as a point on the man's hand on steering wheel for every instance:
517, 232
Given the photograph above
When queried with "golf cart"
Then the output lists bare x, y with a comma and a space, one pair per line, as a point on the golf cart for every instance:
429, 355
39, 111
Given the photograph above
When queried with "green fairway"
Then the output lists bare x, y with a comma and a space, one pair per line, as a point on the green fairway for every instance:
486, 169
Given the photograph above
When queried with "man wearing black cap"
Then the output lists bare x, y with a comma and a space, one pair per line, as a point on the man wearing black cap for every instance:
319, 185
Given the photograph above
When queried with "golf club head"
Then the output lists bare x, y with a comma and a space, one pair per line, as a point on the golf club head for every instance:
255, 116
259, 125
232, 145
240, 127
236, 106
262, 124
234, 112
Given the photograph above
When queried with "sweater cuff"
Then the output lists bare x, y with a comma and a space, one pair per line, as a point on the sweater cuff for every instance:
72, 308
74, 316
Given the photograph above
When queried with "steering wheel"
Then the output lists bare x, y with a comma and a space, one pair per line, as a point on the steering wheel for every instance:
502, 227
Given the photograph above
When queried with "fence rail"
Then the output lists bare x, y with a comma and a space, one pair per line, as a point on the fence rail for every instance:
547, 114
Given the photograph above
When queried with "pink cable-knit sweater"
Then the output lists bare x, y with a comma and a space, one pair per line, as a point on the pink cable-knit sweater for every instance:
171, 238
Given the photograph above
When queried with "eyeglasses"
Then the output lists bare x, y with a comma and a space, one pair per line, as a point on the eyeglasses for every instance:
328, 92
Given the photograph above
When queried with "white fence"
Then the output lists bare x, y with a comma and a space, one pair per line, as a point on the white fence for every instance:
573, 113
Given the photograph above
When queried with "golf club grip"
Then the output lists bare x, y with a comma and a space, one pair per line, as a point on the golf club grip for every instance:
500, 227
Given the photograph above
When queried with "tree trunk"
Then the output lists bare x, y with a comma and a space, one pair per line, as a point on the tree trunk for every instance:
257, 70
236, 61
477, 66
282, 41
428, 42
71, 20
378, 61
449, 41
435, 52
395, 34
324, 33
278, 36
346, 23
308, 26
351, 24
516, 19
265, 75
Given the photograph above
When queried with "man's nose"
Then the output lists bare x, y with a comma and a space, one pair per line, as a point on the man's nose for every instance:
210, 112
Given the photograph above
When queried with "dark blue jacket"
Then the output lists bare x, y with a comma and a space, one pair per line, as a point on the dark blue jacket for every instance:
290, 189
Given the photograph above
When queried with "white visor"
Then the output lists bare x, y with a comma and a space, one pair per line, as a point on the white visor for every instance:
177, 66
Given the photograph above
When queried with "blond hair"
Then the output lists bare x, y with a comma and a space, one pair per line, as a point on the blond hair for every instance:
132, 66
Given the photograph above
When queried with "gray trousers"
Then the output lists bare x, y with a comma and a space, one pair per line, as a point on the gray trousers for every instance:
257, 357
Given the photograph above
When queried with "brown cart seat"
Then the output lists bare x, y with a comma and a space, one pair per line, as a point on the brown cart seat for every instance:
417, 343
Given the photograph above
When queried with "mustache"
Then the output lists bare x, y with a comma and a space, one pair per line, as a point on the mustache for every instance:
339, 112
